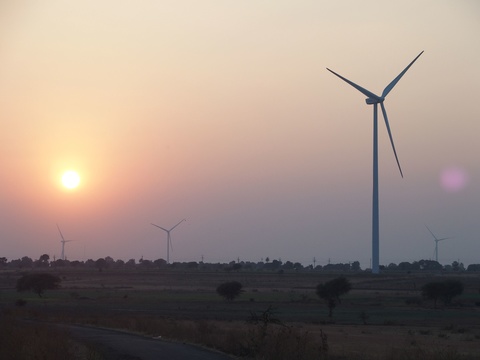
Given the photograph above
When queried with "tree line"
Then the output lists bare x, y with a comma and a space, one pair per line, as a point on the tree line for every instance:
108, 262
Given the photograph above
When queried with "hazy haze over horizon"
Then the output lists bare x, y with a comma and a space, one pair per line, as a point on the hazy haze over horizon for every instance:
223, 113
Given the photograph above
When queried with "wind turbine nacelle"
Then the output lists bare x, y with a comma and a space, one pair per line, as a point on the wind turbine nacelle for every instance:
371, 101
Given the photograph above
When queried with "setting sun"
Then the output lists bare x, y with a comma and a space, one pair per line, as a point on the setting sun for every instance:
70, 179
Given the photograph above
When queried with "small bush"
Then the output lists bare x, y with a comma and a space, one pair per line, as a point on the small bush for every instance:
230, 290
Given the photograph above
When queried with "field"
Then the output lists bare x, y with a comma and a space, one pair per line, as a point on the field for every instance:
382, 317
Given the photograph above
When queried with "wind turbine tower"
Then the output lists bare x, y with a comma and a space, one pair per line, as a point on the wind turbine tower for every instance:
374, 100
169, 238
436, 242
63, 241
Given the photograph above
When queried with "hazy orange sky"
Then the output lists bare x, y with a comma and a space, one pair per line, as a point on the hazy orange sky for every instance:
223, 113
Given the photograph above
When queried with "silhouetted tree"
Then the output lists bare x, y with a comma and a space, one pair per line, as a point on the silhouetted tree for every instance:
471, 267
131, 263
430, 265
331, 291
297, 266
230, 290
3, 261
38, 283
355, 266
100, 264
444, 290
26, 262
160, 263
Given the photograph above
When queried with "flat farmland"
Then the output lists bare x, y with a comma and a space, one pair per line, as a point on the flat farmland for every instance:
382, 317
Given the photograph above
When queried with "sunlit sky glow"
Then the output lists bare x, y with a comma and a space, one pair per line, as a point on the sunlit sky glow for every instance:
223, 113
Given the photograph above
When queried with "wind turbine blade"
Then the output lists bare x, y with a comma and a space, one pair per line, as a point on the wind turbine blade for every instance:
170, 243
358, 87
443, 239
394, 82
160, 227
390, 135
431, 232
178, 224
60, 231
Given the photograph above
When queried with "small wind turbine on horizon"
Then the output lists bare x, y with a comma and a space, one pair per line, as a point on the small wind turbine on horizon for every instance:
436, 242
63, 241
169, 238
374, 100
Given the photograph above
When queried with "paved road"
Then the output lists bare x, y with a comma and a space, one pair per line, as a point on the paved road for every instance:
118, 345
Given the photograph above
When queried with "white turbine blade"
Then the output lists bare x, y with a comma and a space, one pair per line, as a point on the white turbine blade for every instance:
178, 224
358, 87
58, 227
160, 227
390, 135
170, 242
394, 82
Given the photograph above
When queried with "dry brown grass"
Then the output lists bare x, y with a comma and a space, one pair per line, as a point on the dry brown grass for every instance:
24, 340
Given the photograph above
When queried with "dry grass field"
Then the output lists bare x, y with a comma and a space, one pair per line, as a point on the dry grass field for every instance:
382, 317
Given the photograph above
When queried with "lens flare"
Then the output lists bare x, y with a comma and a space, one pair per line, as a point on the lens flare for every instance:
453, 179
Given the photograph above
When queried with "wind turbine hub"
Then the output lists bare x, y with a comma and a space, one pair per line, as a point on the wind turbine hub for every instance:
371, 101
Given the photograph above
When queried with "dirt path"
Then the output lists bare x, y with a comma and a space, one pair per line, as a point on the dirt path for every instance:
118, 345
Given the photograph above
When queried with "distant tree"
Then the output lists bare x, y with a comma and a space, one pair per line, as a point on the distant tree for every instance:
430, 265
432, 291
109, 260
297, 266
331, 291
160, 263
355, 266
442, 290
38, 283
406, 266
90, 263
26, 262
452, 288
3, 261
60, 263
392, 266
146, 264
130, 263
230, 290
456, 266
42, 261
471, 267
100, 264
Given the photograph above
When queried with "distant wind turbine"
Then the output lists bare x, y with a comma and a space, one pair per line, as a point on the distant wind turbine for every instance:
373, 99
169, 239
436, 242
63, 241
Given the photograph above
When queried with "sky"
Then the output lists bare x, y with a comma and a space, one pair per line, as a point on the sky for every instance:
223, 113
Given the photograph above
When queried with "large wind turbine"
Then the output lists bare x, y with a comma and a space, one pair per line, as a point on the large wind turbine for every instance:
169, 239
436, 242
374, 100
63, 241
